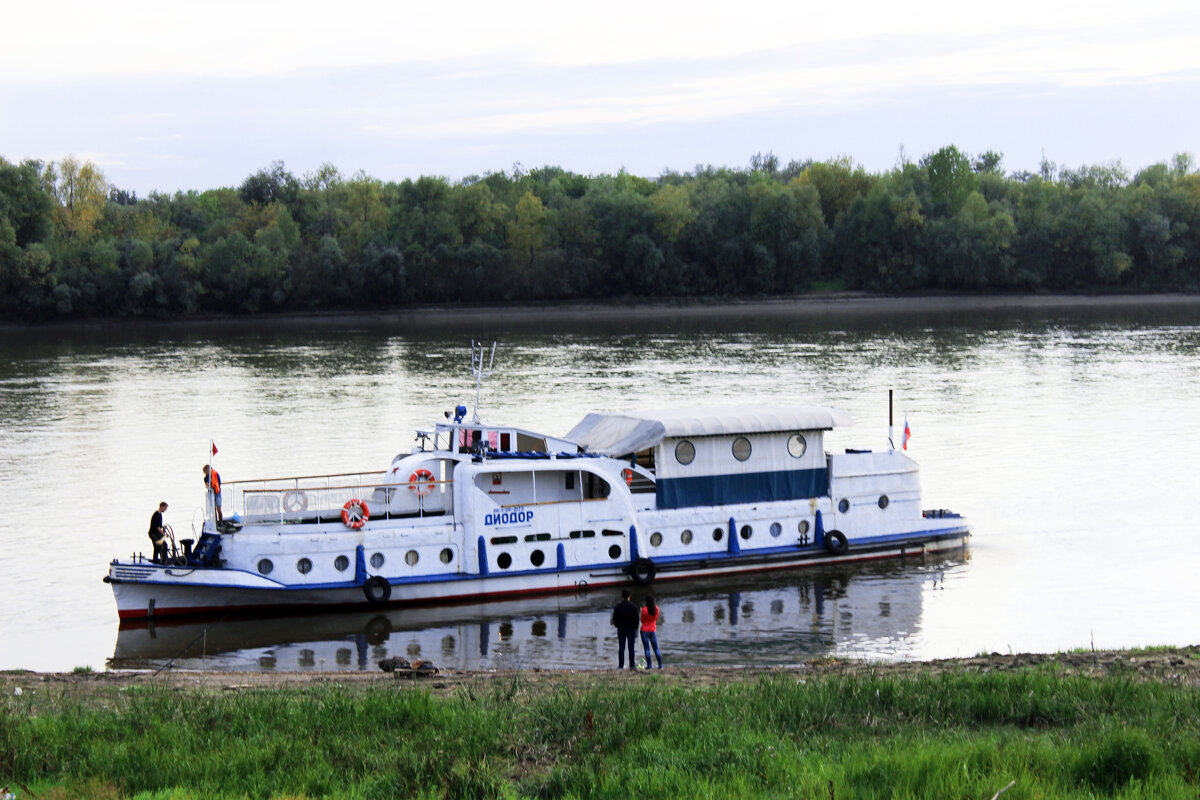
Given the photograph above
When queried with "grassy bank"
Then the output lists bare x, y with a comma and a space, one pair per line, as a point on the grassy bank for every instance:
1039, 729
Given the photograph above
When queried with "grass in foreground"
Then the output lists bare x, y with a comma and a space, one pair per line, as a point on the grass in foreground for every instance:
872, 736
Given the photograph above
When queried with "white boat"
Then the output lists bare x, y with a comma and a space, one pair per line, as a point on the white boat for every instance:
480, 511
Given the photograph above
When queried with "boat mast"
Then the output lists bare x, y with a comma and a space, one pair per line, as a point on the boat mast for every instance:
478, 354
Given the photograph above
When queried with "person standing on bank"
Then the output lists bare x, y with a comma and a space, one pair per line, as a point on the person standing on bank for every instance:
625, 618
650, 631
158, 534
212, 479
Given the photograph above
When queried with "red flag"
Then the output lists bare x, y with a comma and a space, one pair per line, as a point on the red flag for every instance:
907, 434
214, 448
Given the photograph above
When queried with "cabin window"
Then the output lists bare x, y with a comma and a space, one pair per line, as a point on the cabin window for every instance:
718, 533
747, 531
504, 540
796, 445
611, 532
582, 534
504, 561
685, 537
614, 552
537, 558
776, 529
843, 505
537, 537
304, 566
741, 448
341, 563
883, 501
594, 487
377, 560
447, 555
411, 558
570, 481
803, 526
504, 442
685, 452
265, 566
656, 539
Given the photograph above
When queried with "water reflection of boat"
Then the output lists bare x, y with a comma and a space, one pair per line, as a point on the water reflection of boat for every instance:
865, 610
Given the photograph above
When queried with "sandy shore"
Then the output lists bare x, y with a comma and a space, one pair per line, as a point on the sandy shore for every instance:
815, 305
1179, 665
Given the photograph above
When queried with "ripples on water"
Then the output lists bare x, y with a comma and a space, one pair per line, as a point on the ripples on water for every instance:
1068, 438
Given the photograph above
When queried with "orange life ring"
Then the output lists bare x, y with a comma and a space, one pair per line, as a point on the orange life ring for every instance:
421, 482
355, 513
628, 474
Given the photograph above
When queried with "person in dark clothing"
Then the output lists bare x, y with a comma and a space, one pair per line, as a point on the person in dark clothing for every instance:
627, 621
158, 534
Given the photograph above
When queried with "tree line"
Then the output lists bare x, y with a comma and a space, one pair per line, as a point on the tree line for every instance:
72, 245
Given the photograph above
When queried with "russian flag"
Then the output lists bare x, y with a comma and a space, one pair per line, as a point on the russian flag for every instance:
907, 435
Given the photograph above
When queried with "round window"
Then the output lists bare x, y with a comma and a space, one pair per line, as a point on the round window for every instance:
447, 555
304, 566
776, 529
504, 561
718, 533
747, 531
803, 526
656, 539
796, 445
883, 501
341, 563
843, 505
614, 552
741, 448
685, 452
685, 537
265, 566
377, 560
537, 558
411, 558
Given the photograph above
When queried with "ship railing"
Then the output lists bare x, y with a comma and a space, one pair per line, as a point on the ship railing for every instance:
322, 498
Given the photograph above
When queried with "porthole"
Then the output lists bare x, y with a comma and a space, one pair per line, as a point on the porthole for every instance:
411, 558
656, 539
741, 448
883, 501
803, 526
796, 445
747, 531
685, 452
843, 505
341, 563
685, 537
504, 561
614, 552
718, 533
447, 555
265, 566
377, 560
537, 558
304, 566
776, 529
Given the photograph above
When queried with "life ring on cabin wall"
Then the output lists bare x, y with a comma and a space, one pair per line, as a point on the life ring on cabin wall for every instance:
421, 482
627, 474
295, 501
355, 513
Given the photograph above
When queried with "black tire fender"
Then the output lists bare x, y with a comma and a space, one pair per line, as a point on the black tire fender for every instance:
377, 590
642, 571
836, 543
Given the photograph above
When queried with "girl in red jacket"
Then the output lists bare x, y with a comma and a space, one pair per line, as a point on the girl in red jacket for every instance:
649, 631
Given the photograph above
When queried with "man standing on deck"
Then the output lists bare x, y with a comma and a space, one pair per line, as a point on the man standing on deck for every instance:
212, 479
627, 621
158, 534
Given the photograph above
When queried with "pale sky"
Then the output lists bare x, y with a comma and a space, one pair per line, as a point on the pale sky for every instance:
169, 95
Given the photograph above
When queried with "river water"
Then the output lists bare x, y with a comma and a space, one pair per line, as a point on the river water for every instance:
1067, 434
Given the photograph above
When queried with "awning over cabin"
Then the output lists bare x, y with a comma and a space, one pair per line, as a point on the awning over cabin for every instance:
631, 432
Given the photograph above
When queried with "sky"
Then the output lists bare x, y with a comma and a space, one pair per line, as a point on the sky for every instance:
176, 96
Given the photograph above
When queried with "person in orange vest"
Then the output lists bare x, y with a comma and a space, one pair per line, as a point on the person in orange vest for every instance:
212, 479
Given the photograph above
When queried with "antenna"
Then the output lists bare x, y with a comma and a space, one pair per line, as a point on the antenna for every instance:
479, 352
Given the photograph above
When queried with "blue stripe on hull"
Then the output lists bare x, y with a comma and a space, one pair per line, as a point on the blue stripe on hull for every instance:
752, 487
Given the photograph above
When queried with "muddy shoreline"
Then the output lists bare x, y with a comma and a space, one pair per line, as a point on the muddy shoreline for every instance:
1168, 664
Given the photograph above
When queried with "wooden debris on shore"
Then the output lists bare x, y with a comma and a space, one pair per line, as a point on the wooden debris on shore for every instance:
402, 668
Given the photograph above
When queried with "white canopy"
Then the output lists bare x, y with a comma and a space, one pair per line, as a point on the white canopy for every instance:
629, 432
